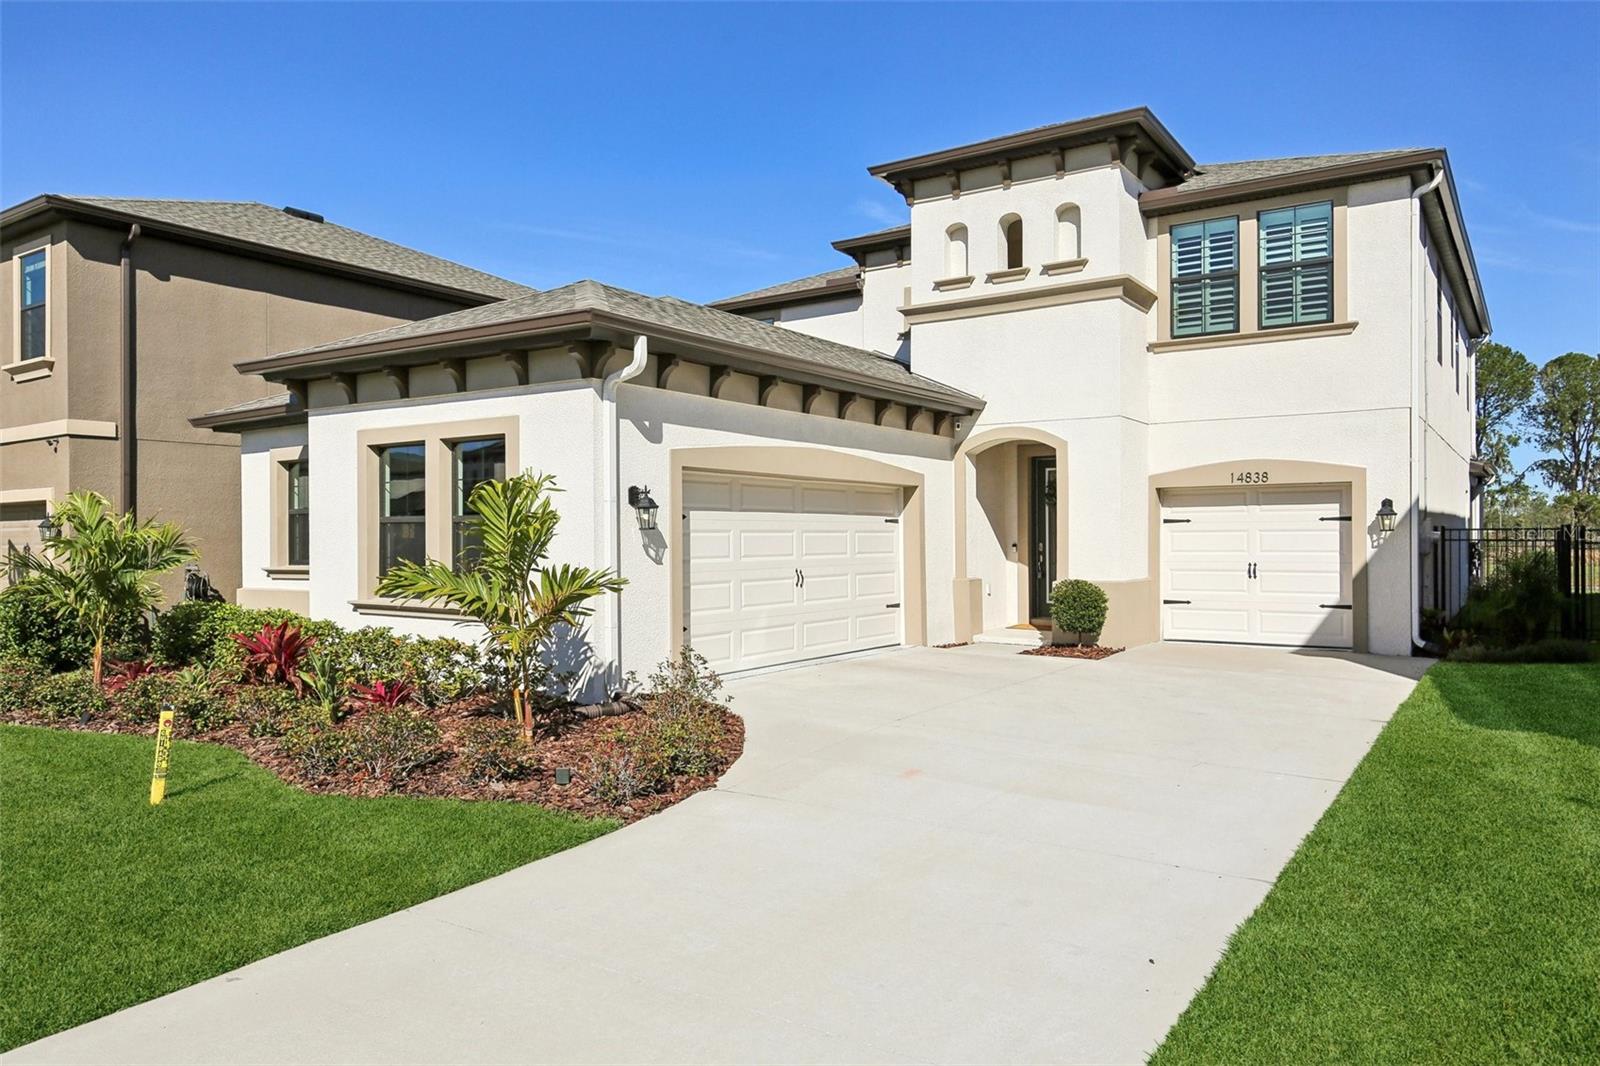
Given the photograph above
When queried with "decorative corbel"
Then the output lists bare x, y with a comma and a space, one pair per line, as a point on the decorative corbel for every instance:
765, 384
665, 365
719, 378
955, 184
879, 409
808, 397
400, 378
297, 393
518, 363
347, 385
1061, 162
1005, 173
457, 369
845, 400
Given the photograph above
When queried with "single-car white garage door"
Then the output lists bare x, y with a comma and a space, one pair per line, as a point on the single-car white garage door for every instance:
1257, 566
781, 571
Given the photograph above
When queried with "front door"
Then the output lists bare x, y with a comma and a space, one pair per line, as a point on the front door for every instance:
1041, 535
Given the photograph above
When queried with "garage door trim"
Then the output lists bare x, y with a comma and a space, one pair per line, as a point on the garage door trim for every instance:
808, 464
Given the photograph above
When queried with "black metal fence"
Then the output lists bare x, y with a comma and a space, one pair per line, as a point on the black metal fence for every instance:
1466, 558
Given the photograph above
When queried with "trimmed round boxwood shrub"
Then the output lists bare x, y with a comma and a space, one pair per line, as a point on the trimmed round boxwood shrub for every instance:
1078, 606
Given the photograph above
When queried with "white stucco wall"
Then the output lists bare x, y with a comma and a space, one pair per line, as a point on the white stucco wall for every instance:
256, 520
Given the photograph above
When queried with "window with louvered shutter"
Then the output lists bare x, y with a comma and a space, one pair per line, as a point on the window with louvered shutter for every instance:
1296, 265
1205, 277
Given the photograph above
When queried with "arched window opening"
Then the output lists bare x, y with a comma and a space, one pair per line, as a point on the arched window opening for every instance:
955, 252
1069, 236
1011, 240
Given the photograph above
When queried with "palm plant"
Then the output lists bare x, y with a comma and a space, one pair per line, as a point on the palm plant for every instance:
101, 568
506, 586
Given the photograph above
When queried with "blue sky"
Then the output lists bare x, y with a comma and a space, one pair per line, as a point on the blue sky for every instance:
707, 150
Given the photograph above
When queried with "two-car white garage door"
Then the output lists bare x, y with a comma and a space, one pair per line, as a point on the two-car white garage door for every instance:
1266, 565
780, 571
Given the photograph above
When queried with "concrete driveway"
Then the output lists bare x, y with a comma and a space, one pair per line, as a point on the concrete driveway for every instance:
927, 855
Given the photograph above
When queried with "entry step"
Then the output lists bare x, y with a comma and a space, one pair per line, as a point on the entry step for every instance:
1021, 636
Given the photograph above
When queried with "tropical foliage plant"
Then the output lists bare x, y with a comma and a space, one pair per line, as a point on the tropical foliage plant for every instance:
387, 693
508, 588
101, 569
274, 654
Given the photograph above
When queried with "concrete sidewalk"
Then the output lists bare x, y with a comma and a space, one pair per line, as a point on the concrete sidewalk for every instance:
924, 856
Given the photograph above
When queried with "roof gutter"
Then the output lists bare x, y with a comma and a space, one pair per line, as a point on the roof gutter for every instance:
128, 426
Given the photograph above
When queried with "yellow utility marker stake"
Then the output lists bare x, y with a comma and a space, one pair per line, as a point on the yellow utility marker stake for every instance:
158, 778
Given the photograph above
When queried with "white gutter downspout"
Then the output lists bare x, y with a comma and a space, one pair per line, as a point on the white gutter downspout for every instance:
608, 396
1417, 369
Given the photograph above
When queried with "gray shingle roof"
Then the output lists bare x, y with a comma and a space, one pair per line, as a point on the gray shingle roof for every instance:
666, 312
1215, 175
797, 286
271, 228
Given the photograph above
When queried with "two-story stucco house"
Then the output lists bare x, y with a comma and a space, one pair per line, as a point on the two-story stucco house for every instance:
1086, 355
123, 317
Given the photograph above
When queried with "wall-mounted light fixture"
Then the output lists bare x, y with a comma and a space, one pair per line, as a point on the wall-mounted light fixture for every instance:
645, 507
1386, 516
48, 529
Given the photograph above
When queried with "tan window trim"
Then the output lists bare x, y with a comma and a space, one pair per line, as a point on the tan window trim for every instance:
1278, 333
436, 439
1063, 266
377, 605
947, 284
1000, 277
278, 511
287, 573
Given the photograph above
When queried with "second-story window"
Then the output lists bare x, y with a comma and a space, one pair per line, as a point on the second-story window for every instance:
31, 307
402, 505
1011, 238
475, 461
299, 512
1205, 277
1297, 265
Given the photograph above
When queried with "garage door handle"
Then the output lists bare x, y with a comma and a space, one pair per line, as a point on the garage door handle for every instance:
1339, 606
1176, 601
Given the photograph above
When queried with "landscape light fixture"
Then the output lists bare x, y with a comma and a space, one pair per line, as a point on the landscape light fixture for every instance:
646, 508
563, 775
1386, 515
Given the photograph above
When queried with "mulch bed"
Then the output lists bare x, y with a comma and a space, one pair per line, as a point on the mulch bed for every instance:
1073, 651
563, 739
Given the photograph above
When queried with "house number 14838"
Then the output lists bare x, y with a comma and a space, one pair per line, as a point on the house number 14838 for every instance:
1248, 477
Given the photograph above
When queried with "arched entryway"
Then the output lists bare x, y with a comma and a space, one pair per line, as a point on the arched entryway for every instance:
1010, 527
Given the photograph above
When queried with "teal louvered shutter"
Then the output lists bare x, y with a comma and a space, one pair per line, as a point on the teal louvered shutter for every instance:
1296, 265
1205, 277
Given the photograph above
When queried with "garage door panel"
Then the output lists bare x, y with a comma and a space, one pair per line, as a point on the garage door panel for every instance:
746, 608
707, 495
1258, 566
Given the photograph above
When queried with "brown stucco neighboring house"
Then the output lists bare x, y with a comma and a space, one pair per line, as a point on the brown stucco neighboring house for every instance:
120, 318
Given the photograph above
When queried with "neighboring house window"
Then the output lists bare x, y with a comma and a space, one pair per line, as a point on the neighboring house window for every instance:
1296, 265
955, 252
1069, 240
1011, 238
31, 307
474, 462
299, 512
402, 507
1205, 277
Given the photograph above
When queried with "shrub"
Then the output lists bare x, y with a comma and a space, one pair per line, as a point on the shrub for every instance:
122, 673
369, 654
617, 775
70, 695
200, 700
228, 655
29, 629
1078, 606
391, 742
142, 699
20, 678
316, 748
446, 670
684, 743
1519, 603
490, 751
1554, 650
323, 682
266, 710
685, 684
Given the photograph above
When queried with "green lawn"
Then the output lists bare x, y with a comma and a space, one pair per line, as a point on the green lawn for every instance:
1447, 906
106, 901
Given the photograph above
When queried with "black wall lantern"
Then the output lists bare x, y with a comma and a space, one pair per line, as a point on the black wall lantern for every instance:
1386, 515
646, 508
48, 530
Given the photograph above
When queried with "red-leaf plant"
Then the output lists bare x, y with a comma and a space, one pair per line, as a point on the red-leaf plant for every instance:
387, 693
275, 653
123, 674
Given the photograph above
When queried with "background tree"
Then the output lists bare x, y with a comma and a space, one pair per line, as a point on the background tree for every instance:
1563, 421
101, 568
1505, 384
506, 585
